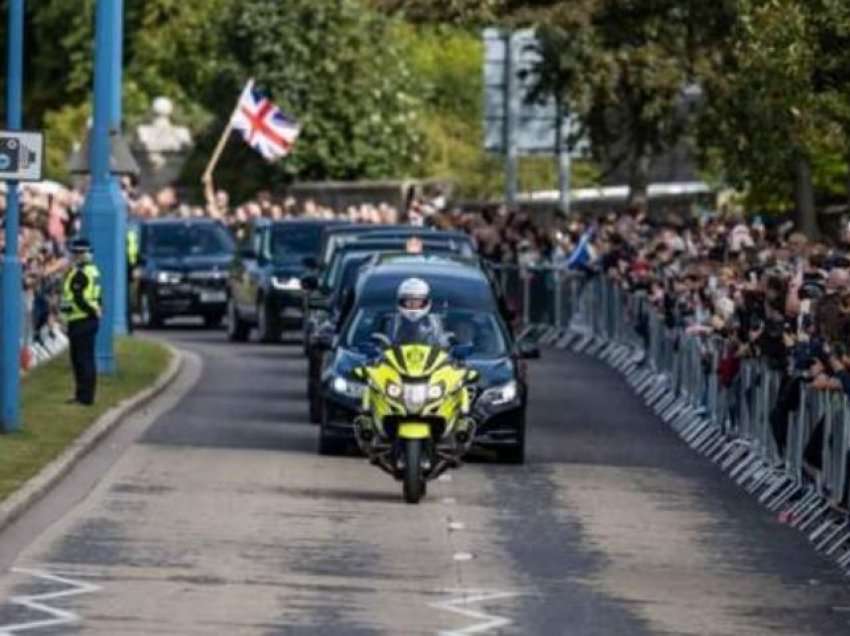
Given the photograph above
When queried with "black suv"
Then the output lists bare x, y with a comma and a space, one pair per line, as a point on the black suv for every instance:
265, 277
182, 270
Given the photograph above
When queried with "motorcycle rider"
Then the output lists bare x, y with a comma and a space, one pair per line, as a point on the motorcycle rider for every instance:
414, 322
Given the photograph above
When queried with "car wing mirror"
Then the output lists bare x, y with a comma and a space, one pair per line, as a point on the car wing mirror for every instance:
528, 351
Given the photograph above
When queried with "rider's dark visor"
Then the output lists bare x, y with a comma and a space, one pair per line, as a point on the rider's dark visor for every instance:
413, 303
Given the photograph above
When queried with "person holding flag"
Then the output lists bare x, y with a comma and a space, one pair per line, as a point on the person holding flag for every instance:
582, 255
263, 126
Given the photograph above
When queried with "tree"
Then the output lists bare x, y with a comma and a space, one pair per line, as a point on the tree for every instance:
459, 12
339, 70
168, 50
777, 121
621, 66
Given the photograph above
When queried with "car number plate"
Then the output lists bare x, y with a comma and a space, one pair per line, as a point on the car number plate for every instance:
213, 296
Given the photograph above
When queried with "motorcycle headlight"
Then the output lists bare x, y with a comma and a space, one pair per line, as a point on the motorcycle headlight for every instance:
348, 388
393, 390
285, 283
415, 396
435, 391
501, 394
168, 278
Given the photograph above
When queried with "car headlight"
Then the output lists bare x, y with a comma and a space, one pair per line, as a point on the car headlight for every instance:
348, 388
501, 394
435, 392
286, 283
168, 278
393, 390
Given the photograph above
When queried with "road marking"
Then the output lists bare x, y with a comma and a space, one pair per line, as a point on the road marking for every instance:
449, 500
459, 556
457, 605
444, 477
456, 525
36, 602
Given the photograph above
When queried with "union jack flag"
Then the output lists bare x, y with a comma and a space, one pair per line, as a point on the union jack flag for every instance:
263, 125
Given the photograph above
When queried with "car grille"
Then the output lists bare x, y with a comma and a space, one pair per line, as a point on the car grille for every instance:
207, 276
208, 279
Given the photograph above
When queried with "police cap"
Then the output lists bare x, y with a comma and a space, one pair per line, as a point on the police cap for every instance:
80, 246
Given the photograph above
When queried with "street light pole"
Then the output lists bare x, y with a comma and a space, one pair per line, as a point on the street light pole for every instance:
104, 201
563, 158
512, 107
11, 288
115, 116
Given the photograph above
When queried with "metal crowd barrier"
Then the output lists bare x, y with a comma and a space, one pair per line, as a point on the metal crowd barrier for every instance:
42, 344
732, 416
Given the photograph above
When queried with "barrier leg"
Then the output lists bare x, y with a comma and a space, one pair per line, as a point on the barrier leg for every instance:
794, 488
805, 521
745, 463
828, 531
838, 544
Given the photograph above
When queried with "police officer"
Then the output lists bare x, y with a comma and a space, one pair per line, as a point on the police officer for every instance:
81, 306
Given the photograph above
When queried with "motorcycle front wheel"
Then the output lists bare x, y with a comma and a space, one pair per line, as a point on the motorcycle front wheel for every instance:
414, 483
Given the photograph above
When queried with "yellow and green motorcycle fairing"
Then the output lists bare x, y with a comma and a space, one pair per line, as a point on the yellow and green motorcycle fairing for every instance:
415, 384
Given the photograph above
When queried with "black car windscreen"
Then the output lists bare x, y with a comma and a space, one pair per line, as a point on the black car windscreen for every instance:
478, 329
188, 240
291, 244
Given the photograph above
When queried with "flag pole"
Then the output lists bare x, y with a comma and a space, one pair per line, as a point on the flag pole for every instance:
206, 179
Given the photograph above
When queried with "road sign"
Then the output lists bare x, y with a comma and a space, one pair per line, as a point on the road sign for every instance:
21, 155
536, 128
514, 123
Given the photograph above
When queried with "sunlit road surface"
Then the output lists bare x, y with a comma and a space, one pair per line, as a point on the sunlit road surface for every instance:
222, 519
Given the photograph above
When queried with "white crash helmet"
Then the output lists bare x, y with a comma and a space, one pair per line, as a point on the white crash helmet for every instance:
414, 298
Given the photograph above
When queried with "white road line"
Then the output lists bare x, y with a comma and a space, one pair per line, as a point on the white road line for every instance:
449, 500
458, 604
37, 603
456, 525
458, 556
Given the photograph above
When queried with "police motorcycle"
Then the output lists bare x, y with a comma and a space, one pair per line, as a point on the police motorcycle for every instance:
415, 418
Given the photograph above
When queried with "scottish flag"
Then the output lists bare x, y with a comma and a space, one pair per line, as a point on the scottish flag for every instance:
581, 255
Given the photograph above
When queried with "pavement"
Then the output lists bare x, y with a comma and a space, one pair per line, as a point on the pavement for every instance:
212, 513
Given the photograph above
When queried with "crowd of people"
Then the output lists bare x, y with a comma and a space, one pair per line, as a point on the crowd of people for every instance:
769, 291
754, 290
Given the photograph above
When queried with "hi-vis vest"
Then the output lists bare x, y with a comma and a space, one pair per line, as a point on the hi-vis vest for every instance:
91, 293
132, 248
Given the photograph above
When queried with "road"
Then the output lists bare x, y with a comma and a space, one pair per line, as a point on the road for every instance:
218, 517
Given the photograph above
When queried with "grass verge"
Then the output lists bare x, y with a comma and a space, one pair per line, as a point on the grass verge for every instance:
49, 425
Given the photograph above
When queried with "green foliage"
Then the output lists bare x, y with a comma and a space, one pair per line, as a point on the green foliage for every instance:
334, 66
780, 93
463, 12
621, 67
446, 63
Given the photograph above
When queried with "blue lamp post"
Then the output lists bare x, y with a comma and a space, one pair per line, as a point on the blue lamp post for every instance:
104, 210
115, 116
11, 290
